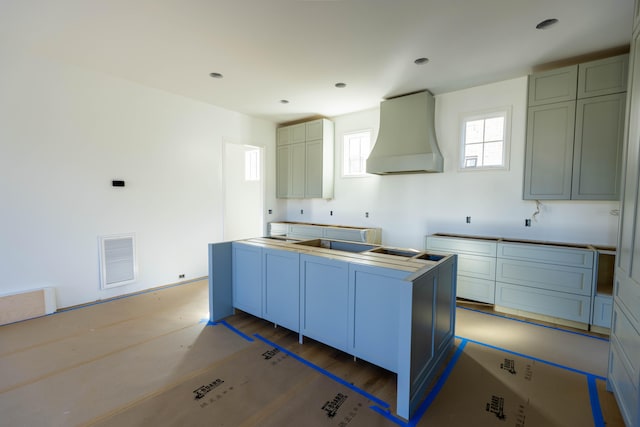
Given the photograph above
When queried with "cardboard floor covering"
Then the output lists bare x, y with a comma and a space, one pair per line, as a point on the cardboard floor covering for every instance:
259, 386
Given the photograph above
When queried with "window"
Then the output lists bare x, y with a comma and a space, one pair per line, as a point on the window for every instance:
356, 147
252, 165
485, 141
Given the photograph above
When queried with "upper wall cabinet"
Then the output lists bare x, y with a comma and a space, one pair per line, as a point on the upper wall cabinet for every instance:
304, 161
575, 127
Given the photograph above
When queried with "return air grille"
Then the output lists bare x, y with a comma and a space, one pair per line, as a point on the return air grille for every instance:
117, 260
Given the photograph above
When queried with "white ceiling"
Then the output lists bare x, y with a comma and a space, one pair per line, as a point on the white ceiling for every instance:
297, 50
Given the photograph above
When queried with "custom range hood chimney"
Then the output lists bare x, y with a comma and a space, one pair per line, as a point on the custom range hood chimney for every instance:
407, 138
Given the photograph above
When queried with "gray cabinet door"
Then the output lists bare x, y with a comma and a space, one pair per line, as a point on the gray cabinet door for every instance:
552, 86
313, 176
549, 151
297, 161
247, 278
603, 77
598, 147
324, 300
282, 288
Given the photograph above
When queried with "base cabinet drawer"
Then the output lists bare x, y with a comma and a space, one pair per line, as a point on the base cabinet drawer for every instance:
545, 276
576, 257
476, 289
300, 231
480, 267
542, 301
484, 247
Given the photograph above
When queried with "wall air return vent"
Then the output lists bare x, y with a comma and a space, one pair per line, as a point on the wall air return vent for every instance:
117, 260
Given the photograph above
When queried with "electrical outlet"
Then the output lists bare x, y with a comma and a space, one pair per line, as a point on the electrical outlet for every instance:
181, 276
301, 211
331, 213
527, 222
366, 214
468, 220
270, 211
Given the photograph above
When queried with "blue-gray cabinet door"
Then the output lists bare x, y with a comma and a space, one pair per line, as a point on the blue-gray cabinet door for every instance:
598, 147
247, 278
324, 300
374, 318
549, 151
282, 288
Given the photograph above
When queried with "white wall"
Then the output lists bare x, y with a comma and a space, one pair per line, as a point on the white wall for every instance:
65, 133
408, 207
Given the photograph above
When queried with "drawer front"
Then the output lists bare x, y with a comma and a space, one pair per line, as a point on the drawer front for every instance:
305, 231
476, 289
278, 229
462, 246
479, 267
545, 276
351, 234
543, 301
548, 254
602, 311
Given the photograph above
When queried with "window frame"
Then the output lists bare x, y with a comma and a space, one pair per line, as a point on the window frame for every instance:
343, 155
504, 112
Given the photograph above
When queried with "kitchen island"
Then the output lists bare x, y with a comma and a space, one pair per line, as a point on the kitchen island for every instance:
392, 307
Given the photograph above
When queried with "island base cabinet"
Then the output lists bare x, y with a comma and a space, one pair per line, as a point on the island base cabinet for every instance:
324, 300
374, 319
282, 288
247, 278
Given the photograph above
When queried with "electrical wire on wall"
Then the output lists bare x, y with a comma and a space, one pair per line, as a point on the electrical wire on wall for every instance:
537, 212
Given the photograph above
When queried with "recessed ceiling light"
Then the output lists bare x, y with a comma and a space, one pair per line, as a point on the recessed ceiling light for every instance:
546, 23
341, 85
421, 61
284, 101
216, 75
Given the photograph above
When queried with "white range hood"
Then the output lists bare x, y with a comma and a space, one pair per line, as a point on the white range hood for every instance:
407, 139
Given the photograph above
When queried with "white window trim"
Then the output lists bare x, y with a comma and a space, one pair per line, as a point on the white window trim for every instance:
371, 143
483, 114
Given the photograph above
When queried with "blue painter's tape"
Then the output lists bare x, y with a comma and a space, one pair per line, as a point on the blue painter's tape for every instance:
326, 373
596, 410
439, 384
385, 413
535, 324
546, 362
231, 328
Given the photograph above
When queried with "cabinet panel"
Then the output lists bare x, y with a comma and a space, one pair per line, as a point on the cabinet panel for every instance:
282, 136
247, 278
543, 301
476, 289
551, 86
324, 300
549, 151
598, 147
575, 257
603, 77
282, 288
627, 395
546, 276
